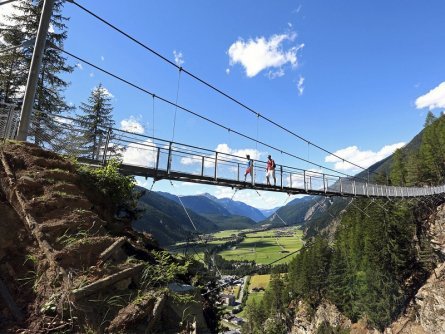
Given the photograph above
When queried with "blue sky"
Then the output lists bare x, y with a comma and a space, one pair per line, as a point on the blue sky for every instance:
355, 77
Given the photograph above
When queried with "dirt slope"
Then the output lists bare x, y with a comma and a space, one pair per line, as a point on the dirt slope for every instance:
65, 264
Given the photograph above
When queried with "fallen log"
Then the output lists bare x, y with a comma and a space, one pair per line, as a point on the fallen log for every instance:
105, 282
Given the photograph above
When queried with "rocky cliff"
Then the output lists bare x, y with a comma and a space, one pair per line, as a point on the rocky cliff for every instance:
425, 313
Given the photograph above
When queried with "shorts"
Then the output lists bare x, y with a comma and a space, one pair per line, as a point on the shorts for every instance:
270, 172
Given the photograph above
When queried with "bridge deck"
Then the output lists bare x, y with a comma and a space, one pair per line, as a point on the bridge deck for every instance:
355, 189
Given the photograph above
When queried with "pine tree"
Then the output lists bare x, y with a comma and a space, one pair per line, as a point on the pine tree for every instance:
431, 153
11, 65
398, 170
430, 119
413, 169
96, 121
14, 66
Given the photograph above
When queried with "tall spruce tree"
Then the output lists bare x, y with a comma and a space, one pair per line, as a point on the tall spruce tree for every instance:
432, 152
96, 121
398, 169
21, 26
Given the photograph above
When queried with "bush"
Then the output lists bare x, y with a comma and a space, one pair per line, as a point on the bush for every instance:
111, 183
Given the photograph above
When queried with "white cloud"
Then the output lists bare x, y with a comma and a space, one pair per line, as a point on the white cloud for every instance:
91, 75
227, 71
102, 58
104, 91
79, 66
435, 98
132, 125
179, 58
197, 159
275, 74
224, 148
227, 169
300, 85
262, 53
7, 10
314, 179
140, 154
361, 158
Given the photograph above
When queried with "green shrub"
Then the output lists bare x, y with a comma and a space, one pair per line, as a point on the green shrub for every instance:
111, 183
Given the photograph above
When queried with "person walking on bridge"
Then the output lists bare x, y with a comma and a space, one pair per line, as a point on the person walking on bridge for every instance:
270, 170
249, 168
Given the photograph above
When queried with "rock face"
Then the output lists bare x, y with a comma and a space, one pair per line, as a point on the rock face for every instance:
426, 313
431, 302
326, 313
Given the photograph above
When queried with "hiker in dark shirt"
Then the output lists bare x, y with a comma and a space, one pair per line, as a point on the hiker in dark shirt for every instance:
249, 168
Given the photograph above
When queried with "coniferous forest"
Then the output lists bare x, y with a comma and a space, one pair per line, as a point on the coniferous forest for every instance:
380, 254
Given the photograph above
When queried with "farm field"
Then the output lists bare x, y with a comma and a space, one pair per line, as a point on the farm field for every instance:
256, 281
263, 247
266, 246
225, 234
259, 281
197, 249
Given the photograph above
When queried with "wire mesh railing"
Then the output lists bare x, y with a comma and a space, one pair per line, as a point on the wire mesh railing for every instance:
9, 120
155, 156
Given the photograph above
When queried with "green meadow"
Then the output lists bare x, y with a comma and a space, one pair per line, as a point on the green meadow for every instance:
266, 246
263, 247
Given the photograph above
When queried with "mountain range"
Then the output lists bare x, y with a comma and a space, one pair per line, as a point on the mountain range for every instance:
171, 218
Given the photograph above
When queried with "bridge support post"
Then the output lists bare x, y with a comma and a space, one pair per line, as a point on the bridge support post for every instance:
281, 172
107, 142
202, 165
34, 70
169, 160
253, 173
216, 166
157, 158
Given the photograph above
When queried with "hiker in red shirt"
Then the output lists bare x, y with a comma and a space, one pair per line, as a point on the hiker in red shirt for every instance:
270, 170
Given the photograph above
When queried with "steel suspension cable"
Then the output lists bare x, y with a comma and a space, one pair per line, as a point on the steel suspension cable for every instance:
153, 120
176, 104
196, 230
243, 105
198, 115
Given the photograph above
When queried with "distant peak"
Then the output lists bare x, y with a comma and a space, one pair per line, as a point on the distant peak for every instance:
213, 198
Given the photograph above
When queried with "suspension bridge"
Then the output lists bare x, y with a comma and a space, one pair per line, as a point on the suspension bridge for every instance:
157, 158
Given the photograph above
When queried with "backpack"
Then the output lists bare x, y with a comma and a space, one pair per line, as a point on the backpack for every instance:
273, 164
